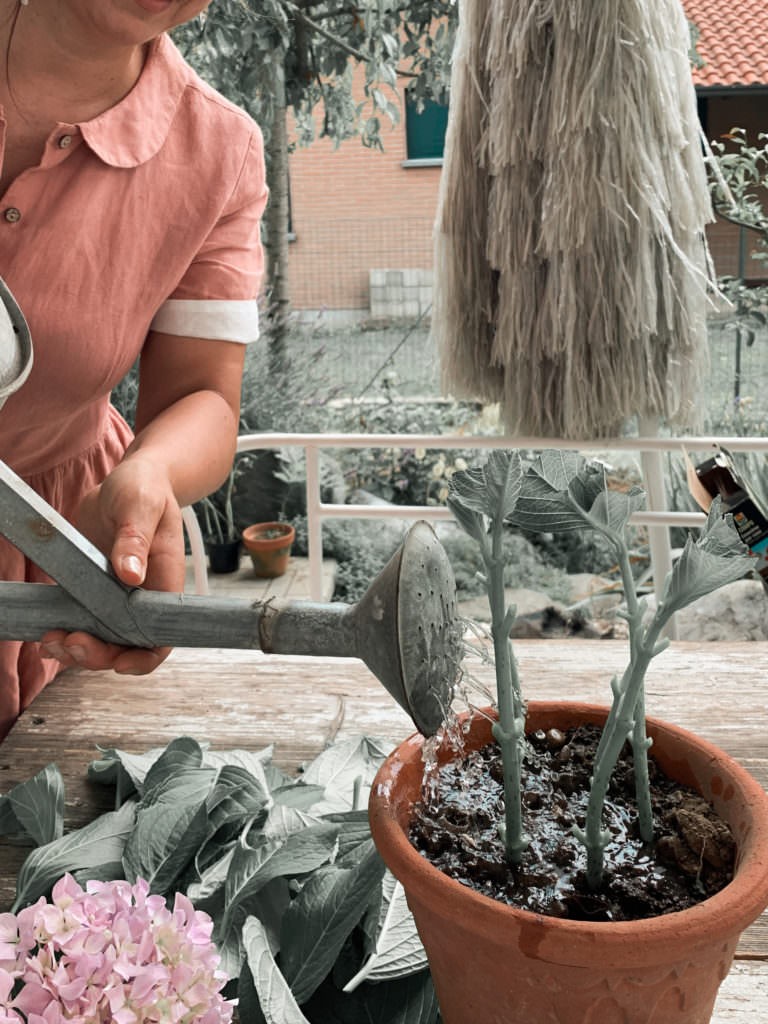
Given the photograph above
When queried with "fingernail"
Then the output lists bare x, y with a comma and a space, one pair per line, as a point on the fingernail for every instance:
133, 565
76, 652
53, 650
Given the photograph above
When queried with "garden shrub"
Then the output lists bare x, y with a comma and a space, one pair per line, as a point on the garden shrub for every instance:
360, 550
525, 566
405, 475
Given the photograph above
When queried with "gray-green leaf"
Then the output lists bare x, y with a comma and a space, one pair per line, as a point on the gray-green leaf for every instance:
38, 805
613, 509
339, 767
321, 917
277, 1002
171, 823
9, 823
252, 867
102, 842
299, 795
121, 769
237, 797
491, 490
471, 521
398, 951
716, 558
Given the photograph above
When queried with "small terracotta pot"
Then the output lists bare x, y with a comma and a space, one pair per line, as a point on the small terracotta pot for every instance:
495, 964
269, 545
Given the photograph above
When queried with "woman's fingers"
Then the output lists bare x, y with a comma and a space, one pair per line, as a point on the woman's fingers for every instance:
82, 650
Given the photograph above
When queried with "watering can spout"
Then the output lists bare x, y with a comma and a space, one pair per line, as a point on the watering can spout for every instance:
405, 628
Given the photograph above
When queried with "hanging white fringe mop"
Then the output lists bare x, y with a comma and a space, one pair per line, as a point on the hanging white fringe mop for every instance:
571, 268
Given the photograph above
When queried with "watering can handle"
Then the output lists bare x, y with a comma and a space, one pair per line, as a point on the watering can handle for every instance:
91, 598
404, 628
53, 544
182, 620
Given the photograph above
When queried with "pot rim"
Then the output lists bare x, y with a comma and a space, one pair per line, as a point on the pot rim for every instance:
724, 914
253, 534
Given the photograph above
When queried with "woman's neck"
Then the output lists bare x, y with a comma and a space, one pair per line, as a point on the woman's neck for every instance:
52, 65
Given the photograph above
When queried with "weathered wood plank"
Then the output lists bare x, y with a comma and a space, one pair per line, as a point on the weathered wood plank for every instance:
743, 996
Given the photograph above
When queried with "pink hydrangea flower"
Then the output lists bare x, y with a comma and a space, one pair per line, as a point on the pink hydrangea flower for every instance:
109, 952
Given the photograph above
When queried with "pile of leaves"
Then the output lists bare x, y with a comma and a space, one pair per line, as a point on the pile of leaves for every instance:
309, 924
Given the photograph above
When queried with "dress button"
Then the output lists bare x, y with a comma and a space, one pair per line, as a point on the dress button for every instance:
12, 215
65, 141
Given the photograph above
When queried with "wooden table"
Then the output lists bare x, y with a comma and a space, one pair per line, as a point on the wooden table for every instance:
248, 699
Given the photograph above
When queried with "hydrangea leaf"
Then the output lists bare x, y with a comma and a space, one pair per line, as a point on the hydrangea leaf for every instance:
343, 769
398, 950
9, 823
93, 846
37, 805
276, 1002
124, 770
171, 824
408, 1000
237, 798
299, 795
354, 830
253, 867
320, 918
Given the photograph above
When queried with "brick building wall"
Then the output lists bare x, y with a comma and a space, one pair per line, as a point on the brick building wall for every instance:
352, 210
357, 210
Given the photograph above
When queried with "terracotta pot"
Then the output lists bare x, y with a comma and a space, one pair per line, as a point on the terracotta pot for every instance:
269, 545
493, 964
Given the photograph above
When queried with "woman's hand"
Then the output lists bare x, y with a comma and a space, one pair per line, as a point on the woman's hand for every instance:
186, 428
134, 518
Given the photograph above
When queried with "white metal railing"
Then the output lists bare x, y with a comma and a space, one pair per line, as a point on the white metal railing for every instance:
656, 517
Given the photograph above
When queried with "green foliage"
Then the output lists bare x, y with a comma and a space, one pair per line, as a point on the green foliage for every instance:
125, 395
310, 927
243, 47
745, 169
524, 566
360, 554
405, 475
738, 186
296, 401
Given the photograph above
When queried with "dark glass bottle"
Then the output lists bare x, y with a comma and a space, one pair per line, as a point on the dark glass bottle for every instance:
719, 476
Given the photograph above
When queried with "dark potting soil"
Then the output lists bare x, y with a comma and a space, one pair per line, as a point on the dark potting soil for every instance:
691, 857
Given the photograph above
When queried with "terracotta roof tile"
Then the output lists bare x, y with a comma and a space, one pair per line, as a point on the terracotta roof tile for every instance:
733, 41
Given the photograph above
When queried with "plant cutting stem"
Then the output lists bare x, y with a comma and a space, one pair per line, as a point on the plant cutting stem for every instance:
639, 739
509, 730
628, 702
228, 513
211, 520
626, 719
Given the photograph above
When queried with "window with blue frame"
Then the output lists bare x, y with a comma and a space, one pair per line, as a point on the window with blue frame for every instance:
425, 129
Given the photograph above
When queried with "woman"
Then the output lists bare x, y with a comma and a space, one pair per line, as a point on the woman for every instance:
129, 226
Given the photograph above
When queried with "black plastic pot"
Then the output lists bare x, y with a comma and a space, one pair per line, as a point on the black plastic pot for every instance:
224, 557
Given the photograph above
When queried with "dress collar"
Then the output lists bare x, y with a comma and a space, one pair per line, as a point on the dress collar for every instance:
132, 132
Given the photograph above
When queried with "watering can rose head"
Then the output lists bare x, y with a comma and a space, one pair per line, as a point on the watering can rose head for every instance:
112, 952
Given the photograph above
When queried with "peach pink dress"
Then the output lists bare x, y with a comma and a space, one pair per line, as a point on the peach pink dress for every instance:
146, 217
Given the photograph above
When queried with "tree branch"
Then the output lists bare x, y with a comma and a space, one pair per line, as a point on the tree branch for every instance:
740, 223
330, 36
